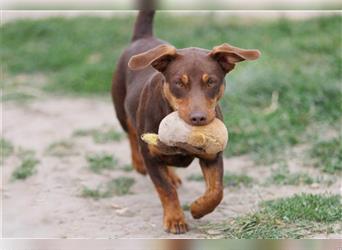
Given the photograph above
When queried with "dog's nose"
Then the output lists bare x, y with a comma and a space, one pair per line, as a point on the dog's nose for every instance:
198, 118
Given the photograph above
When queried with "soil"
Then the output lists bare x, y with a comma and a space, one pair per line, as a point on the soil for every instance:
48, 204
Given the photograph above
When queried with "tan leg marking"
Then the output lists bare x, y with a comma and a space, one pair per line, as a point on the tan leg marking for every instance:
173, 220
137, 160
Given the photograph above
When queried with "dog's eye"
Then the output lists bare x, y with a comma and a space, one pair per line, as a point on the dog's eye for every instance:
179, 83
210, 82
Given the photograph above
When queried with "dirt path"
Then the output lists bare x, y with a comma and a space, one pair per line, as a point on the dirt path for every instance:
49, 205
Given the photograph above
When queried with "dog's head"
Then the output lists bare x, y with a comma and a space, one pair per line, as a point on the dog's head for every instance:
194, 77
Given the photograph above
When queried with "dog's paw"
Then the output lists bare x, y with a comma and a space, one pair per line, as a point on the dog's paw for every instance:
196, 210
175, 225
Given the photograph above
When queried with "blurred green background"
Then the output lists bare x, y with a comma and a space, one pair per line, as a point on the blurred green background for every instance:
291, 95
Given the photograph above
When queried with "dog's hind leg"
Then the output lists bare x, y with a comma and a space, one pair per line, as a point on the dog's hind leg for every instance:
137, 160
174, 178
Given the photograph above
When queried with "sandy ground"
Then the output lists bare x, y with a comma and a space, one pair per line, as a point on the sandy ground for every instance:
49, 205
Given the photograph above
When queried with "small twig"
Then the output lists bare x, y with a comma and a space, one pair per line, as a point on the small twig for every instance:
274, 103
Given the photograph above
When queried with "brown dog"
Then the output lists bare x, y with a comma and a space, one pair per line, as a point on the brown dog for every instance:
153, 79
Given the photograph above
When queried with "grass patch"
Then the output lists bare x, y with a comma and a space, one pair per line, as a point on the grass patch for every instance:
234, 180
17, 97
100, 135
294, 217
306, 207
21, 88
119, 186
328, 155
282, 176
195, 177
6, 148
99, 162
127, 168
255, 226
229, 179
186, 207
61, 148
298, 73
93, 193
27, 166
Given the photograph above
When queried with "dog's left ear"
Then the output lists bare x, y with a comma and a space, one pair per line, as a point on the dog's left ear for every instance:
227, 55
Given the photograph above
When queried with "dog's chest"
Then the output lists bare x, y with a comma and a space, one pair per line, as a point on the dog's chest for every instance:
177, 160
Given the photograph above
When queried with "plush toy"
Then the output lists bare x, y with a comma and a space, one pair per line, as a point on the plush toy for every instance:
209, 139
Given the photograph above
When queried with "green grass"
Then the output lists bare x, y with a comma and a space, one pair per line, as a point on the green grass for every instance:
21, 88
93, 193
258, 225
234, 180
61, 148
27, 166
6, 148
306, 207
17, 96
64, 49
328, 155
186, 207
297, 80
127, 168
195, 177
100, 135
119, 186
300, 64
101, 161
229, 179
282, 176
294, 217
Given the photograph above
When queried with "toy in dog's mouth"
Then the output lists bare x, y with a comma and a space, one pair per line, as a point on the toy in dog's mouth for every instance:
210, 139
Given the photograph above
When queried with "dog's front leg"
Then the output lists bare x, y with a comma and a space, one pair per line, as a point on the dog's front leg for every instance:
174, 220
213, 175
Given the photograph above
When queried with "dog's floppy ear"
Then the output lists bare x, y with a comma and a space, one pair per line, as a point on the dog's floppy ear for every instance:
158, 57
227, 55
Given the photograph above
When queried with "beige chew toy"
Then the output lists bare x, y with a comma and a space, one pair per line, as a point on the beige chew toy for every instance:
211, 138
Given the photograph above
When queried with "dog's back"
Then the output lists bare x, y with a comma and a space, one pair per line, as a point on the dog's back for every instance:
127, 84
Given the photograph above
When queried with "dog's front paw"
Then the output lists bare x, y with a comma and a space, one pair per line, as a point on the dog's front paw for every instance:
175, 224
206, 203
